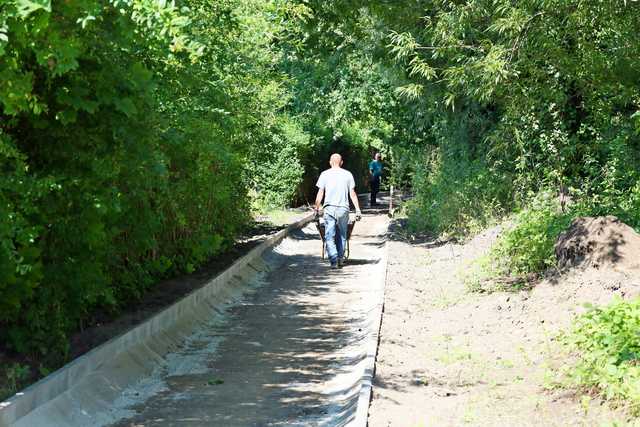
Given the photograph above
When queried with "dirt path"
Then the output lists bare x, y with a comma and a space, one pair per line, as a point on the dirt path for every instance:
287, 355
448, 357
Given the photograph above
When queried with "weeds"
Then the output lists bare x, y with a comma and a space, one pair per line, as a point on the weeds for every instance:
13, 378
527, 247
524, 251
605, 344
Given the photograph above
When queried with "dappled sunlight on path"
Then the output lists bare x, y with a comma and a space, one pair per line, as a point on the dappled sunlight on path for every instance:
290, 353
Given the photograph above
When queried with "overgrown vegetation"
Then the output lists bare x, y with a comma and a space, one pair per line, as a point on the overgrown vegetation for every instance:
138, 136
538, 96
528, 245
510, 103
524, 249
605, 350
115, 166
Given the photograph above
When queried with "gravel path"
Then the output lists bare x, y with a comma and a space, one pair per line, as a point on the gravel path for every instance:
291, 353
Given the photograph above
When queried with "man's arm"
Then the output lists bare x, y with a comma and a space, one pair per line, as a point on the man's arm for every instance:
321, 185
319, 198
354, 199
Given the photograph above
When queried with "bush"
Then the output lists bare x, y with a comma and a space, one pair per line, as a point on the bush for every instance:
277, 165
528, 245
455, 195
606, 347
119, 161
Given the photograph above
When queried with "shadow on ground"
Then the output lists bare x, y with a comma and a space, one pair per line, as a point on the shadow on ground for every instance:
280, 354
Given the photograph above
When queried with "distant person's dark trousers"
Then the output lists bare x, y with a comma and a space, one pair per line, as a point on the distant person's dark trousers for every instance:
374, 183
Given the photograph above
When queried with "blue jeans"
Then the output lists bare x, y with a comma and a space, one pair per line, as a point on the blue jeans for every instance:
336, 221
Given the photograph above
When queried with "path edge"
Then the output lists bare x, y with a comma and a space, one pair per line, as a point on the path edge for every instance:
366, 391
64, 378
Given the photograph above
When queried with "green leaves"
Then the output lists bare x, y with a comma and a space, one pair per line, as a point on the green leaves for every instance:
607, 342
528, 246
27, 7
411, 91
126, 106
547, 86
402, 45
15, 90
111, 142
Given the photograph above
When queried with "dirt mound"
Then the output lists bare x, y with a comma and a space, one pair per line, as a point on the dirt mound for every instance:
599, 242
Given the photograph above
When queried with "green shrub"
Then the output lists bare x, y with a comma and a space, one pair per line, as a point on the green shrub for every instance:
605, 345
455, 195
528, 245
120, 163
12, 378
277, 165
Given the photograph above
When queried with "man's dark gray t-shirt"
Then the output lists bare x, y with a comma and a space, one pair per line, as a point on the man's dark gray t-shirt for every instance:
336, 183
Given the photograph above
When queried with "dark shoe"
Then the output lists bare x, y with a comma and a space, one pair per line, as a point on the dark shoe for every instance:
334, 266
340, 263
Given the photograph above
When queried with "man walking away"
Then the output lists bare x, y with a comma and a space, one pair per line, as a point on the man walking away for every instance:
375, 172
336, 185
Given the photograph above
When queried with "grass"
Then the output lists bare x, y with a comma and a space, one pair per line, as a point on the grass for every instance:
445, 299
455, 354
12, 378
524, 251
279, 217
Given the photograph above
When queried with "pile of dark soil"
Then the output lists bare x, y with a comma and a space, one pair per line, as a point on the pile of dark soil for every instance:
600, 242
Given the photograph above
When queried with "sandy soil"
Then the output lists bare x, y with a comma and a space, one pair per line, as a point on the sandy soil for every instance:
450, 357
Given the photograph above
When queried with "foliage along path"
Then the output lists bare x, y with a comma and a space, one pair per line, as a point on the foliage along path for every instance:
288, 354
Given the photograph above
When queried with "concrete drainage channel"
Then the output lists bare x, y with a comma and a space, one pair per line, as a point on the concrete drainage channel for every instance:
170, 364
